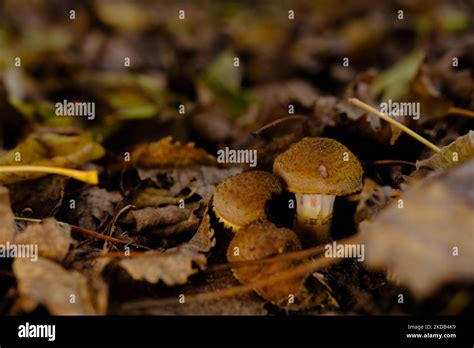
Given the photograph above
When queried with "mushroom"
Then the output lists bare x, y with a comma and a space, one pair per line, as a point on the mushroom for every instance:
317, 170
262, 240
241, 199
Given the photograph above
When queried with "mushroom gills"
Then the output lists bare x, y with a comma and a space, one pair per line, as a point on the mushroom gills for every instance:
313, 218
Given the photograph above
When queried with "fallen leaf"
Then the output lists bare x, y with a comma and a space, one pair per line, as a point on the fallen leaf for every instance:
53, 240
43, 196
165, 153
459, 151
95, 206
430, 242
203, 240
153, 197
46, 283
395, 81
372, 199
173, 267
54, 150
7, 219
202, 179
149, 217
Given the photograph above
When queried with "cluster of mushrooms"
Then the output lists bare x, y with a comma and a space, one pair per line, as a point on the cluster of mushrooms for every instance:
316, 170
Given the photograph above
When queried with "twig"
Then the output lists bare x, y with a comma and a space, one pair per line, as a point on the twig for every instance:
87, 232
90, 176
458, 111
366, 107
276, 122
294, 255
394, 162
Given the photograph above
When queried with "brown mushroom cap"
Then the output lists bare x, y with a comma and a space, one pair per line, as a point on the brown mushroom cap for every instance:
262, 240
240, 199
317, 166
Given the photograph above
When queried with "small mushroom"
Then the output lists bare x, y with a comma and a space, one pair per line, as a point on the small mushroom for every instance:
263, 240
241, 199
317, 170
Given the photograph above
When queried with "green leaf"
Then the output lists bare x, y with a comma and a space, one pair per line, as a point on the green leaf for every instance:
395, 81
222, 75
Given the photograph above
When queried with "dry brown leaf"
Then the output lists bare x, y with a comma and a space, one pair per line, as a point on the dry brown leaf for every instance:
172, 267
372, 198
53, 240
95, 206
166, 154
7, 219
202, 179
417, 243
459, 151
149, 217
204, 240
46, 283
190, 224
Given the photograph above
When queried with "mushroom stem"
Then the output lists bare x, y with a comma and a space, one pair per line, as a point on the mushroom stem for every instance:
313, 217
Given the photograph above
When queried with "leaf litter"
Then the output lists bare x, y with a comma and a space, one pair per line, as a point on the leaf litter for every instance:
146, 234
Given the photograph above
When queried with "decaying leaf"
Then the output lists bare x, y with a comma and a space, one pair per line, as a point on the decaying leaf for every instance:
153, 197
48, 284
7, 219
430, 241
165, 153
372, 199
204, 239
42, 196
53, 240
203, 179
173, 267
459, 151
50, 149
149, 217
95, 206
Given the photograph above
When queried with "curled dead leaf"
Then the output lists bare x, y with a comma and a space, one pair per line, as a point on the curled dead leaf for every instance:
49, 149
430, 241
165, 153
46, 283
173, 267
7, 222
53, 240
459, 151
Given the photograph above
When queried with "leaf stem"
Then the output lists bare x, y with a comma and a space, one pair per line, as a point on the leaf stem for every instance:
90, 176
366, 107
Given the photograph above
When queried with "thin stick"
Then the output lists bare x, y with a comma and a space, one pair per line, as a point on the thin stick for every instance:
458, 111
305, 268
294, 255
90, 177
394, 162
276, 122
86, 232
366, 107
